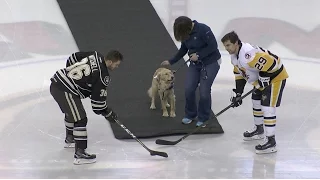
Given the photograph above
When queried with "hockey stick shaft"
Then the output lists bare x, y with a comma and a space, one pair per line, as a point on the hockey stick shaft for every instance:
164, 142
163, 154
242, 97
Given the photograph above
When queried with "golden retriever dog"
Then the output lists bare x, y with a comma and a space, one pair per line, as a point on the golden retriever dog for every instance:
162, 85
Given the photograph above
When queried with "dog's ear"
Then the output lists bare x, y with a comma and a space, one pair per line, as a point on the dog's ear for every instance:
157, 77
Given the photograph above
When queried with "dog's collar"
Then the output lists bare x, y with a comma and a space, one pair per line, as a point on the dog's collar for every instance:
171, 86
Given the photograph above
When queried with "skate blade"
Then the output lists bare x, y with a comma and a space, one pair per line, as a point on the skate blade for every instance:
69, 145
253, 138
267, 151
84, 161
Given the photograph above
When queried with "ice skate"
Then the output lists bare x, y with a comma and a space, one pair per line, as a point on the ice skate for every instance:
268, 146
69, 142
254, 134
82, 157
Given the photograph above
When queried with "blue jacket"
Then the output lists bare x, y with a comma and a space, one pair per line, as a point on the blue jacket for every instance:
201, 41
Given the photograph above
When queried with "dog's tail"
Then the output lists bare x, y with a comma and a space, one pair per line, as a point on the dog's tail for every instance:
150, 92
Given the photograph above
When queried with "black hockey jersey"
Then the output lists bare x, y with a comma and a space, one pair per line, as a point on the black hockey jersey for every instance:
85, 75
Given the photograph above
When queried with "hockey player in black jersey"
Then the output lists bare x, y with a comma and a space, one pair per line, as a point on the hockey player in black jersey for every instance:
86, 75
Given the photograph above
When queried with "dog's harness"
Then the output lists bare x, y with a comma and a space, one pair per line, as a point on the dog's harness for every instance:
169, 88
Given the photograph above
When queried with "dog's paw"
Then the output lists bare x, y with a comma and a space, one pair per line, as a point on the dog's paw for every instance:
167, 105
152, 106
172, 114
165, 114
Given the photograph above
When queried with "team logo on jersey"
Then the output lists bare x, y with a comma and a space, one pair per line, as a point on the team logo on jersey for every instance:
107, 80
263, 97
247, 56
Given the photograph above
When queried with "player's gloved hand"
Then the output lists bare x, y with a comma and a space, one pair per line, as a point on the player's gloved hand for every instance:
263, 81
235, 98
110, 115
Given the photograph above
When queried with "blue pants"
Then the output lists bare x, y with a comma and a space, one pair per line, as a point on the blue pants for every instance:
195, 75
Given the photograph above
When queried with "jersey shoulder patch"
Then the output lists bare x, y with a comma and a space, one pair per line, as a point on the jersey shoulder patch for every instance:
106, 80
248, 54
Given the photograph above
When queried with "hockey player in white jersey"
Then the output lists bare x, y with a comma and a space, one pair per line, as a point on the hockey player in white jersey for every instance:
265, 71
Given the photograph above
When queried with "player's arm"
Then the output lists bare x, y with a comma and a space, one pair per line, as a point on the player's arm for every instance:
99, 101
77, 57
239, 80
237, 92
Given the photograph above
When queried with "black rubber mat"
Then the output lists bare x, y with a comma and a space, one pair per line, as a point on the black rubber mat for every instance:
146, 123
138, 32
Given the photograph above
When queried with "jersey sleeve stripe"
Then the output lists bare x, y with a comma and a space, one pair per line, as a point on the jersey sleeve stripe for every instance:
272, 66
65, 79
238, 77
235, 70
60, 75
98, 105
237, 74
74, 57
95, 101
65, 84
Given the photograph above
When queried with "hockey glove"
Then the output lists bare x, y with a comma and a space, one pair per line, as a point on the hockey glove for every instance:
264, 81
235, 99
110, 115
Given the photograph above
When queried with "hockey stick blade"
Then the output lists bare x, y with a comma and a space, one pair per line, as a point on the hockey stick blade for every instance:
158, 153
152, 152
165, 142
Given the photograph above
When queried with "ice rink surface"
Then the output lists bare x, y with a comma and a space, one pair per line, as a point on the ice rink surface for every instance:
32, 129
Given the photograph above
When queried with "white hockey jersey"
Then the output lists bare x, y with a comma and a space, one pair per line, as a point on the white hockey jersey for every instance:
253, 59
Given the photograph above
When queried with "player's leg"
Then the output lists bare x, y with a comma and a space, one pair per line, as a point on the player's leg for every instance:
72, 107
271, 98
257, 132
69, 141
58, 96
78, 114
207, 77
191, 84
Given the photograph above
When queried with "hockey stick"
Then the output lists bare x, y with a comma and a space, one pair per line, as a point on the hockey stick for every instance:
165, 142
152, 153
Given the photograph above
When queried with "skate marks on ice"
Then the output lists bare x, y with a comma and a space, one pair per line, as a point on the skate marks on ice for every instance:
223, 156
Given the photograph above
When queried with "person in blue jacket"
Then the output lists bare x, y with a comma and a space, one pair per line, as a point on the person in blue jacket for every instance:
200, 43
